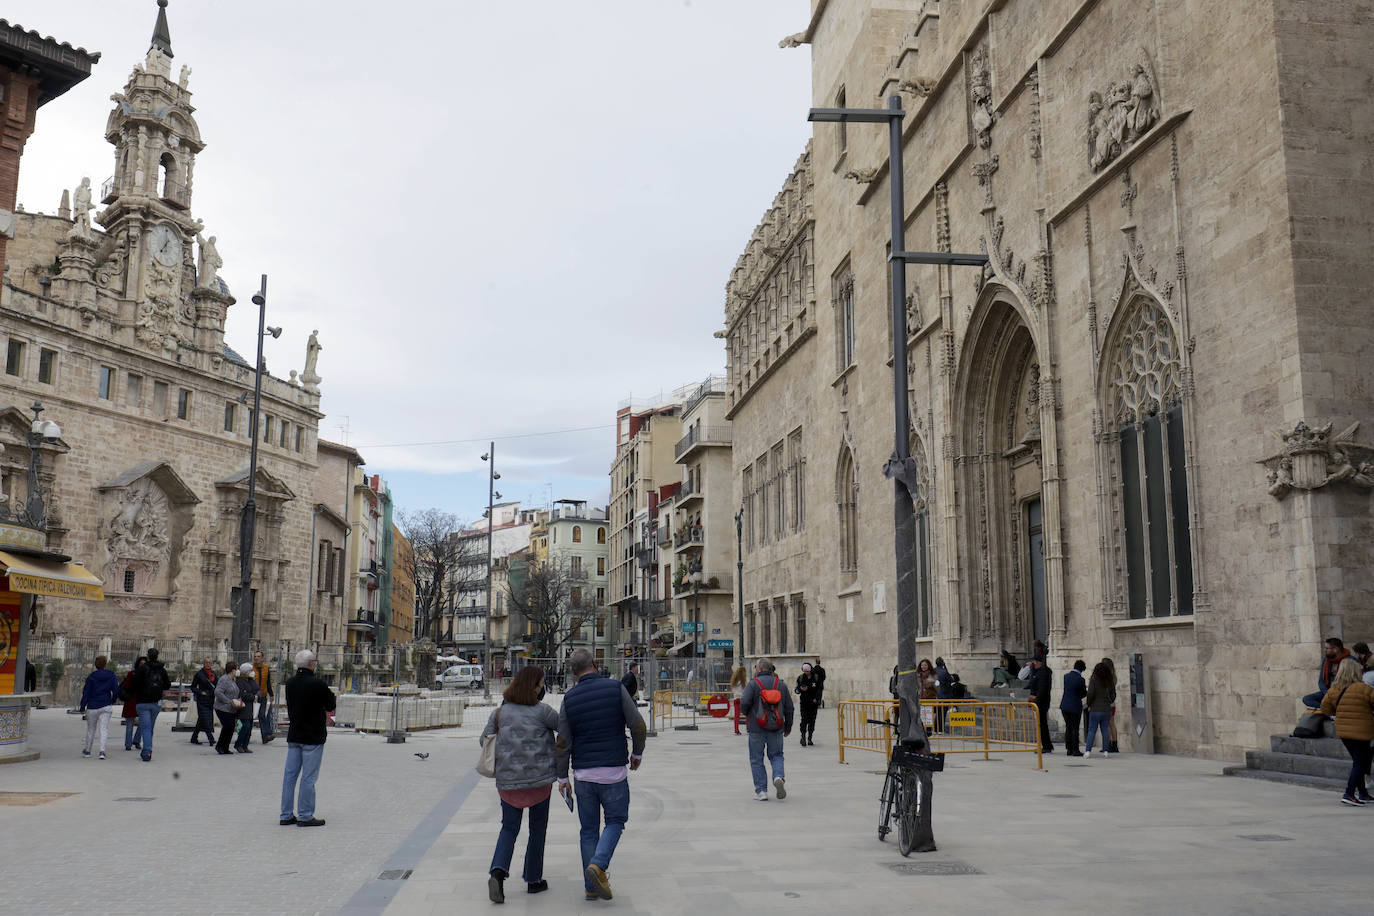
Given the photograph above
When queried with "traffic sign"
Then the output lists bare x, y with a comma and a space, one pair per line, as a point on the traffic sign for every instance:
718, 706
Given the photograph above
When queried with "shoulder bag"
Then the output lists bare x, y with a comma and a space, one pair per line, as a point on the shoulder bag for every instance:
486, 761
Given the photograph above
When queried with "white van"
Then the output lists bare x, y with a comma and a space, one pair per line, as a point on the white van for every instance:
461, 676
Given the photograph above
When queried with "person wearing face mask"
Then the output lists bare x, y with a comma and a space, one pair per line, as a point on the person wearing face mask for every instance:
526, 730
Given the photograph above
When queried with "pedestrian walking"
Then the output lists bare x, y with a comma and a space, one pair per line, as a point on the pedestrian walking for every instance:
1100, 696
808, 698
595, 715
97, 702
1111, 719
818, 670
526, 730
133, 735
737, 682
308, 699
150, 682
1040, 685
1071, 707
631, 681
248, 692
227, 706
768, 715
1351, 701
267, 719
203, 689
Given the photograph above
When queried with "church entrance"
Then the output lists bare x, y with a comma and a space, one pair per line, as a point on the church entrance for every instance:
1035, 562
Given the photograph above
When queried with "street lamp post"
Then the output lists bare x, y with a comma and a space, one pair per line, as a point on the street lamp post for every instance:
739, 587
901, 468
492, 477
696, 609
242, 628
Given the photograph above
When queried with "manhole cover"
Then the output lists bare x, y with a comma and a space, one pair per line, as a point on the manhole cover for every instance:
932, 868
29, 799
395, 874
1062, 795
1265, 837
136, 798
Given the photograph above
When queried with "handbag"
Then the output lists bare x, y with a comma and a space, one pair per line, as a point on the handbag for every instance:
486, 760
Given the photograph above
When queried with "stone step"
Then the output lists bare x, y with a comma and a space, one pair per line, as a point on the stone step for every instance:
1291, 779
1299, 764
1312, 747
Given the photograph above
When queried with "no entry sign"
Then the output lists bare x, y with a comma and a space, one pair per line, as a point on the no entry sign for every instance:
718, 706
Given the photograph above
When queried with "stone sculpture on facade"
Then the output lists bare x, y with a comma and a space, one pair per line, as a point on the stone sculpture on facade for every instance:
210, 262
1122, 114
980, 94
81, 210
1313, 458
310, 378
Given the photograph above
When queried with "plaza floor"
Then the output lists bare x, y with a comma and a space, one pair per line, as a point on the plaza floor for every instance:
194, 832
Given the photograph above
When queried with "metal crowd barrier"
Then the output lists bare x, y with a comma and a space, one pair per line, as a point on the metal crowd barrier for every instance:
954, 726
674, 704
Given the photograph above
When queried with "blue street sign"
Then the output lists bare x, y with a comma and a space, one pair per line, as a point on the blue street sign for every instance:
690, 627
720, 643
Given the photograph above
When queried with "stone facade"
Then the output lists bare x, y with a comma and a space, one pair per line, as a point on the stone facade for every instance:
118, 329
1137, 429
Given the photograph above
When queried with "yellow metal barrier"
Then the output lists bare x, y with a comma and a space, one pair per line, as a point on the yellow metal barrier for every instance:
953, 726
662, 709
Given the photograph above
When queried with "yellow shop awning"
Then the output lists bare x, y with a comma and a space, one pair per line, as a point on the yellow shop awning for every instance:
45, 577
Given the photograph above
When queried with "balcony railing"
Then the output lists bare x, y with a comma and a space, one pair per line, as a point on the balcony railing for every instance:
366, 621
690, 534
107, 191
706, 435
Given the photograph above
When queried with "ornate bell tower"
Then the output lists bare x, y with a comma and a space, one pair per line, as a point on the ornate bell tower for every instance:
148, 199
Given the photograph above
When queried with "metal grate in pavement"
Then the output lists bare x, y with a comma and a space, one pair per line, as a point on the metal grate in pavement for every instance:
137, 798
395, 874
1075, 765
932, 868
1265, 837
694, 742
29, 799
1062, 795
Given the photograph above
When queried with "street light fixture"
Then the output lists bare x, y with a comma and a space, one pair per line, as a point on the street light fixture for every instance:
695, 578
492, 495
739, 587
242, 628
901, 468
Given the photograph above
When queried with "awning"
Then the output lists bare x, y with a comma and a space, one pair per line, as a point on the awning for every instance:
678, 647
45, 577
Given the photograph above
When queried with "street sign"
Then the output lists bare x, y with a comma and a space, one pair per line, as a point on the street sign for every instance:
718, 706
690, 627
720, 643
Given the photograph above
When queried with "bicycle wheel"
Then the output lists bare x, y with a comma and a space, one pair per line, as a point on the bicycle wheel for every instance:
885, 805
908, 812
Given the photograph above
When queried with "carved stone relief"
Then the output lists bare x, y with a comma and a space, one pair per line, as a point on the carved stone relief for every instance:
1122, 113
980, 97
1313, 458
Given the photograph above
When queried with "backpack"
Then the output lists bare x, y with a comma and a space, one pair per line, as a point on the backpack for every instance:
957, 690
770, 698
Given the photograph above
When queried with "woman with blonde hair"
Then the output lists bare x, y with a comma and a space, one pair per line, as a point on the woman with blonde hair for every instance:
526, 732
737, 682
1351, 702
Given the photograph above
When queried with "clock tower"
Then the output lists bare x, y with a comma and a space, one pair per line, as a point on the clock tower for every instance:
147, 201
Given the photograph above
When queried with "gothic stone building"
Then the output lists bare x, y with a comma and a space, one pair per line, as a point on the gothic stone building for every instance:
119, 332
1138, 429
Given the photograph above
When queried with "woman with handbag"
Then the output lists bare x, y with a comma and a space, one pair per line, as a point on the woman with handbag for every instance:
227, 706
524, 733
1351, 702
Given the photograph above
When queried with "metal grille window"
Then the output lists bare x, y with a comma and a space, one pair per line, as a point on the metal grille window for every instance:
780, 609
795, 463
47, 360
14, 358
847, 498
842, 298
765, 491
766, 613
799, 610
747, 488
780, 472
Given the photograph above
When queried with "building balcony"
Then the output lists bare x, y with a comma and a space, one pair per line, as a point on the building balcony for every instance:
368, 571
706, 437
364, 622
689, 492
724, 585
689, 536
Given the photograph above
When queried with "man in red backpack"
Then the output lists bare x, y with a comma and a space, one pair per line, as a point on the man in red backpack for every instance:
767, 705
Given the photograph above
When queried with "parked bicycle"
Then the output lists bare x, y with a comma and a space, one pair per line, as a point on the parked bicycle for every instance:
906, 794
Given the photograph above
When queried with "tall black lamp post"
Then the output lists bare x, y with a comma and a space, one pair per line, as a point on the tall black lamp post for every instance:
242, 628
901, 468
492, 496
739, 586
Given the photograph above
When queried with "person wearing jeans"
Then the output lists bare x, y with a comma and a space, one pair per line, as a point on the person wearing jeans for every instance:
766, 739
1100, 697
97, 700
308, 700
1351, 702
150, 682
592, 723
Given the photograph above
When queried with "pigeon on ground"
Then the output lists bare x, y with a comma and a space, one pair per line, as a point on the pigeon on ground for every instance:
424, 756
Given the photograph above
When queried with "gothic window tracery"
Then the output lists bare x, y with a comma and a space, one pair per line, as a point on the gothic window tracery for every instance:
847, 498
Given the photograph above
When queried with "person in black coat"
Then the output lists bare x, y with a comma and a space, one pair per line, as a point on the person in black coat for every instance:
818, 672
1071, 706
308, 701
631, 681
1040, 685
809, 698
203, 689
248, 692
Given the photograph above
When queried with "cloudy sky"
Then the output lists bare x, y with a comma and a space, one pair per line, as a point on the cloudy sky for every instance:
504, 218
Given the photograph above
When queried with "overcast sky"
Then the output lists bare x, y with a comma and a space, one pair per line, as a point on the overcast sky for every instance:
504, 218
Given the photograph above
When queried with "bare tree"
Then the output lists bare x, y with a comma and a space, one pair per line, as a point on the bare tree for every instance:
553, 598
441, 564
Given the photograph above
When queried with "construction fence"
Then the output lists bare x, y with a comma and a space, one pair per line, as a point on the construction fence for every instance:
952, 727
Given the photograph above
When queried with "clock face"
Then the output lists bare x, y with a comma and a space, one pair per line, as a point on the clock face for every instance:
165, 245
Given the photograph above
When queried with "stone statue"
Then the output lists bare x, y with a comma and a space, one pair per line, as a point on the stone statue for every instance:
81, 210
1143, 111
309, 378
184, 77
209, 262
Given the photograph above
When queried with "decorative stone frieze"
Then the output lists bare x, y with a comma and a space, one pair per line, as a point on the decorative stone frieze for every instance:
1122, 113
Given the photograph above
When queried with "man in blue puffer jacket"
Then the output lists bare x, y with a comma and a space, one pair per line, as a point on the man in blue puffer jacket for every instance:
595, 714
97, 702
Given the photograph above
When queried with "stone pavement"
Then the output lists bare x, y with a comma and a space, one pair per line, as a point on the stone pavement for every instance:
1128, 834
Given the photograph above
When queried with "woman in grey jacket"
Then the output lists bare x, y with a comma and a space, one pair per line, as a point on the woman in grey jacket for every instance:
227, 706
526, 748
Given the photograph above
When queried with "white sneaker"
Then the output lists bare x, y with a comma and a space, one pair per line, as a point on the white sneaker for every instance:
761, 795
782, 789
1106, 754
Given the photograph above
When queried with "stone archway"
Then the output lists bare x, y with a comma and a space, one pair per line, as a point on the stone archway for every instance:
997, 417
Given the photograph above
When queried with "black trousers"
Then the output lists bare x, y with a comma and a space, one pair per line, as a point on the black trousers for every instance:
808, 721
1071, 726
227, 721
205, 721
1045, 743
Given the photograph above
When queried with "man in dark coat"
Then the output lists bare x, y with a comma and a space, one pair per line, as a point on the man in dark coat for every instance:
631, 681
308, 700
1071, 705
818, 672
1040, 685
149, 683
203, 689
